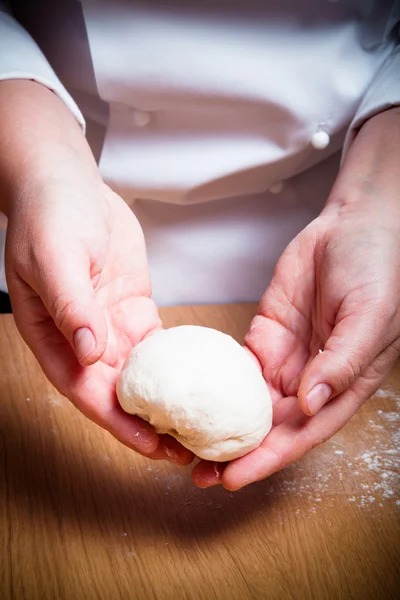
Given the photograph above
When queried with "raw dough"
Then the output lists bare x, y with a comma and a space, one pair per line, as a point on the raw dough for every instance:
200, 386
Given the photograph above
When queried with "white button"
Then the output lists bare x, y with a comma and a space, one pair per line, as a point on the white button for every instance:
141, 118
277, 187
320, 140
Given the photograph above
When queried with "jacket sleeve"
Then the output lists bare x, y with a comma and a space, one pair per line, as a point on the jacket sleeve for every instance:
21, 58
382, 94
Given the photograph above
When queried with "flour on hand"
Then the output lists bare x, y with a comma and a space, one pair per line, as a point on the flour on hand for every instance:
200, 386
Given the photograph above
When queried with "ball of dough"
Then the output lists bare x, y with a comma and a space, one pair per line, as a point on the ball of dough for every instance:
200, 386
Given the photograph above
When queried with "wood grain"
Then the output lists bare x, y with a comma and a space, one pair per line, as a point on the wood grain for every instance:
83, 517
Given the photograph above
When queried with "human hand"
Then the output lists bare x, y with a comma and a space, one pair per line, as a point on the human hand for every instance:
336, 289
79, 283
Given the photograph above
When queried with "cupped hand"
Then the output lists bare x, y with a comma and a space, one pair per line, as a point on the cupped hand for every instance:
328, 327
80, 290
76, 262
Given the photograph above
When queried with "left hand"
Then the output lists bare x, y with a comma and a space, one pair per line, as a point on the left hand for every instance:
336, 289
76, 263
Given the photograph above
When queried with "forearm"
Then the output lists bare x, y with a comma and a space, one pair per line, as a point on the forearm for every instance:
371, 170
37, 134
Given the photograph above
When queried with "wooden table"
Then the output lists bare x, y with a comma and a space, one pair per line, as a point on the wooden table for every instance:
81, 516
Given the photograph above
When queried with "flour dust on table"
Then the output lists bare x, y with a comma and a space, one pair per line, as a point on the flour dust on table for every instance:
363, 470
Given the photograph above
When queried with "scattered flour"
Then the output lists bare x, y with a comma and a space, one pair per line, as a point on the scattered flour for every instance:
366, 470
55, 400
392, 416
388, 393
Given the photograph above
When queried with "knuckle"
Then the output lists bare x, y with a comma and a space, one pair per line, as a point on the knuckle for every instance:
348, 371
62, 310
387, 309
384, 302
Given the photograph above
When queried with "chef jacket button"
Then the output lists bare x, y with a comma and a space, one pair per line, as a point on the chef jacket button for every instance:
320, 140
141, 118
277, 187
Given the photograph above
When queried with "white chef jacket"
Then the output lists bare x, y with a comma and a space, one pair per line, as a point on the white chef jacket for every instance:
203, 116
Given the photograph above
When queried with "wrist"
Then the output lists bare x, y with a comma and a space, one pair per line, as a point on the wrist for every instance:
384, 120
370, 172
40, 141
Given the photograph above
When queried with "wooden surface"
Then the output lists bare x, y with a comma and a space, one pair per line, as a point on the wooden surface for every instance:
83, 517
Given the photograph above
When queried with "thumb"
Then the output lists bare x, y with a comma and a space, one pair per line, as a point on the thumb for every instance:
70, 300
353, 344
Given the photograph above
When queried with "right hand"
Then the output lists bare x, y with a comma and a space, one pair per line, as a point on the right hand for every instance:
77, 274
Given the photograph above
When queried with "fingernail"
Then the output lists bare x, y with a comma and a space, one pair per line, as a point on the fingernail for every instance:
218, 470
145, 442
319, 395
172, 456
208, 483
84, 343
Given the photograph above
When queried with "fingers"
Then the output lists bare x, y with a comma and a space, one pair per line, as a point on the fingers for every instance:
280, 352
94, 395
285, 444
170, 449
207, 474
71, 302
130, 430
279, 335
297, 434
141, 437
64, 286
354, 343
290, 441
